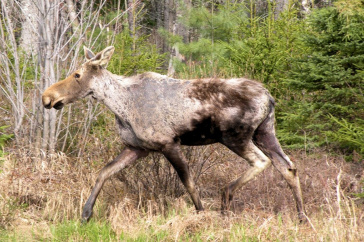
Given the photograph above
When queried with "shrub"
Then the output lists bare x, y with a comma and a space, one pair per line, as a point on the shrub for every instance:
134, 55
330, 76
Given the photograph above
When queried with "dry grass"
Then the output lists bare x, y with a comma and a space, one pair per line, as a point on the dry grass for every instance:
147, 201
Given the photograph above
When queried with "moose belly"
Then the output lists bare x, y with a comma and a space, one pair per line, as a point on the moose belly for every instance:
203, 133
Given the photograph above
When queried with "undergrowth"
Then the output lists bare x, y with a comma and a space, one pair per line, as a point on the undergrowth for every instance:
41, 200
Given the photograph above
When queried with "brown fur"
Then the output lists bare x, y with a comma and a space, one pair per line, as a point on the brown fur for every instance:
159, 113
217, 91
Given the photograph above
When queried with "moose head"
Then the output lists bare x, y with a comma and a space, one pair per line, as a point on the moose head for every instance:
80, 83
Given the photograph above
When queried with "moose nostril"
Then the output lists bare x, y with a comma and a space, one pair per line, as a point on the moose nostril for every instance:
47, 102
48, 106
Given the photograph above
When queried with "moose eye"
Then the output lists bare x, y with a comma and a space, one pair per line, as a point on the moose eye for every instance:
77, 75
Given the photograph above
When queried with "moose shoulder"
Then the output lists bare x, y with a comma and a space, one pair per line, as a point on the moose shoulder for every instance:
158, 113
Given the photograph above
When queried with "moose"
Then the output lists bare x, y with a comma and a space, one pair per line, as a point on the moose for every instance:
157, 113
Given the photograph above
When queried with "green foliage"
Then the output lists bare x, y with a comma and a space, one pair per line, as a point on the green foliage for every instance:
27, 72
330, 76
349, 135
267, 44
293, 126
221, 24
4, 138
134, 55
214, 29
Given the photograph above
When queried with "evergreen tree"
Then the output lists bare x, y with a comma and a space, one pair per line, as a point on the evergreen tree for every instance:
133, 54
212, 28
330, 75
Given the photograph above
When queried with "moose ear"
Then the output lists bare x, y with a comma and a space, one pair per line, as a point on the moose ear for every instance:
88, 53
102, 58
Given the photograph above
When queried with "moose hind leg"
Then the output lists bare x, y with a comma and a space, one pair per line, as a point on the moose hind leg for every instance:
258, 161
267, 141
175, 156
127, 157
290, 174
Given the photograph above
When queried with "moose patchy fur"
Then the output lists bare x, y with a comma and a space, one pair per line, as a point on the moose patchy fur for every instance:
158, 113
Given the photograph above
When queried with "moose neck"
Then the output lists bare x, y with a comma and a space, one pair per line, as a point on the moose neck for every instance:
109, 89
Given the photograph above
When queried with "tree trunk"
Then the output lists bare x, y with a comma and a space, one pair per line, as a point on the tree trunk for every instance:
29, 27
10, 68
306, 6
281, 5
48, 22
131, 18
169, 19
176, 28
75, 23
181, 29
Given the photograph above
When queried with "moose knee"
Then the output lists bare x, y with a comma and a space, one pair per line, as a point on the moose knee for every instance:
293, 171
262, 164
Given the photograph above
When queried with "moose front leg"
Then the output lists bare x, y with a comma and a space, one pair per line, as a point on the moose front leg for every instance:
127, 157
175, 156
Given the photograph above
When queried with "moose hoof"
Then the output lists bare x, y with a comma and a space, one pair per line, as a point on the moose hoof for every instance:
226, 199
302, 218
86, 215
224, 212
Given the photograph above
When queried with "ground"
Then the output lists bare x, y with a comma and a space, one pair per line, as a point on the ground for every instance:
41, 198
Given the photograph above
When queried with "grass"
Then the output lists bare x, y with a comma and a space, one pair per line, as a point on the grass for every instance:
41, 200
189, 226
66, 231
74, 231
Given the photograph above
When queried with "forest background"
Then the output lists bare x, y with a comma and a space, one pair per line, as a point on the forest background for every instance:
309, 54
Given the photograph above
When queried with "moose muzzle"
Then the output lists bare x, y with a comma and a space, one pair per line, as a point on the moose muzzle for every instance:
51, 98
